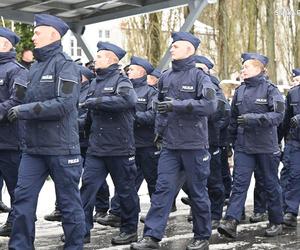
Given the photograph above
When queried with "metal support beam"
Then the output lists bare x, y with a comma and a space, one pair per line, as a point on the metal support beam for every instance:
138, 3
21, 5
88, 3
196, 7
19, 16
77, 33
126, 10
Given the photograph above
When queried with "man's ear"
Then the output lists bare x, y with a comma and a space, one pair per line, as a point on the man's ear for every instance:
191, 49
8, 46
55, 35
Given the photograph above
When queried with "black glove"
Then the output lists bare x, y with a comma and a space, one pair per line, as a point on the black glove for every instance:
158, 141
90, 103
294, 122
166, 106
241, 120
13, 114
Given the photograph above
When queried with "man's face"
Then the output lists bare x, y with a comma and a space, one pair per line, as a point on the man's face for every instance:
42, 36
180, 50
296, 80
152, 80
5, 45
136, 71
102, 60
249, 69
27, 56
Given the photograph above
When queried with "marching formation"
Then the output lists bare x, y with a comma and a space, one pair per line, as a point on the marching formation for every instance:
173, 129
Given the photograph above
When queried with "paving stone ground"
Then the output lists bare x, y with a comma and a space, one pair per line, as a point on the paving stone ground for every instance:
178, 232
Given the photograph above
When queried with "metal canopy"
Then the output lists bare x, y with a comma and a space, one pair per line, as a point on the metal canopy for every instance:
78, 13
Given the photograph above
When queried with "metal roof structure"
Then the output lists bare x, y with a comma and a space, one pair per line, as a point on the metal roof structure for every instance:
78, 13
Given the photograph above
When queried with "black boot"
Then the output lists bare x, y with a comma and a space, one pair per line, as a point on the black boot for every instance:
290, 220
273, 230
86, 239
215, 224
186, 201
4, 208
110, 220
124, 238
198, 245
5, 229
54, 216
143, 218
99, 215
146, 243
243, 217
228, 228
258, 217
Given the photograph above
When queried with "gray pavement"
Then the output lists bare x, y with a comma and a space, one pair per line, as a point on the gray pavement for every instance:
178, 234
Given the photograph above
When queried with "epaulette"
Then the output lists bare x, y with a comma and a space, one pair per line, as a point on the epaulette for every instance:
153, 87
19, 64
294, 88
66, 56
242, 84
271, 84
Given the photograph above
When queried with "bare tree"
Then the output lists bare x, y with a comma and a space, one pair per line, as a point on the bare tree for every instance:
270, 40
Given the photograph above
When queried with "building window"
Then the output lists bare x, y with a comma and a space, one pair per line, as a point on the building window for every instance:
107, 34
78, 51
75, 50
72, 47
100, 33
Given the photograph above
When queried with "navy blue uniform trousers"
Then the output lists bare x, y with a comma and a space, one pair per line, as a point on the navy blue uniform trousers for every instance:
292, 192
285, 173
146, 160
122, 170
65, 171
216, 190
227, 178
9, 165
244, 167
195, 164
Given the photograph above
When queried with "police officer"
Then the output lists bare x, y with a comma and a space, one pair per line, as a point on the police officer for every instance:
111, 101
186, 98
291, 127
153, 77
50, 143
13, 84
257, 110
102, 203
146, 154
285, 173
216, 122
102, 199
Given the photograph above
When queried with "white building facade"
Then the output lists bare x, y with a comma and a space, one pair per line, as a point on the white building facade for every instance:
110, 31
